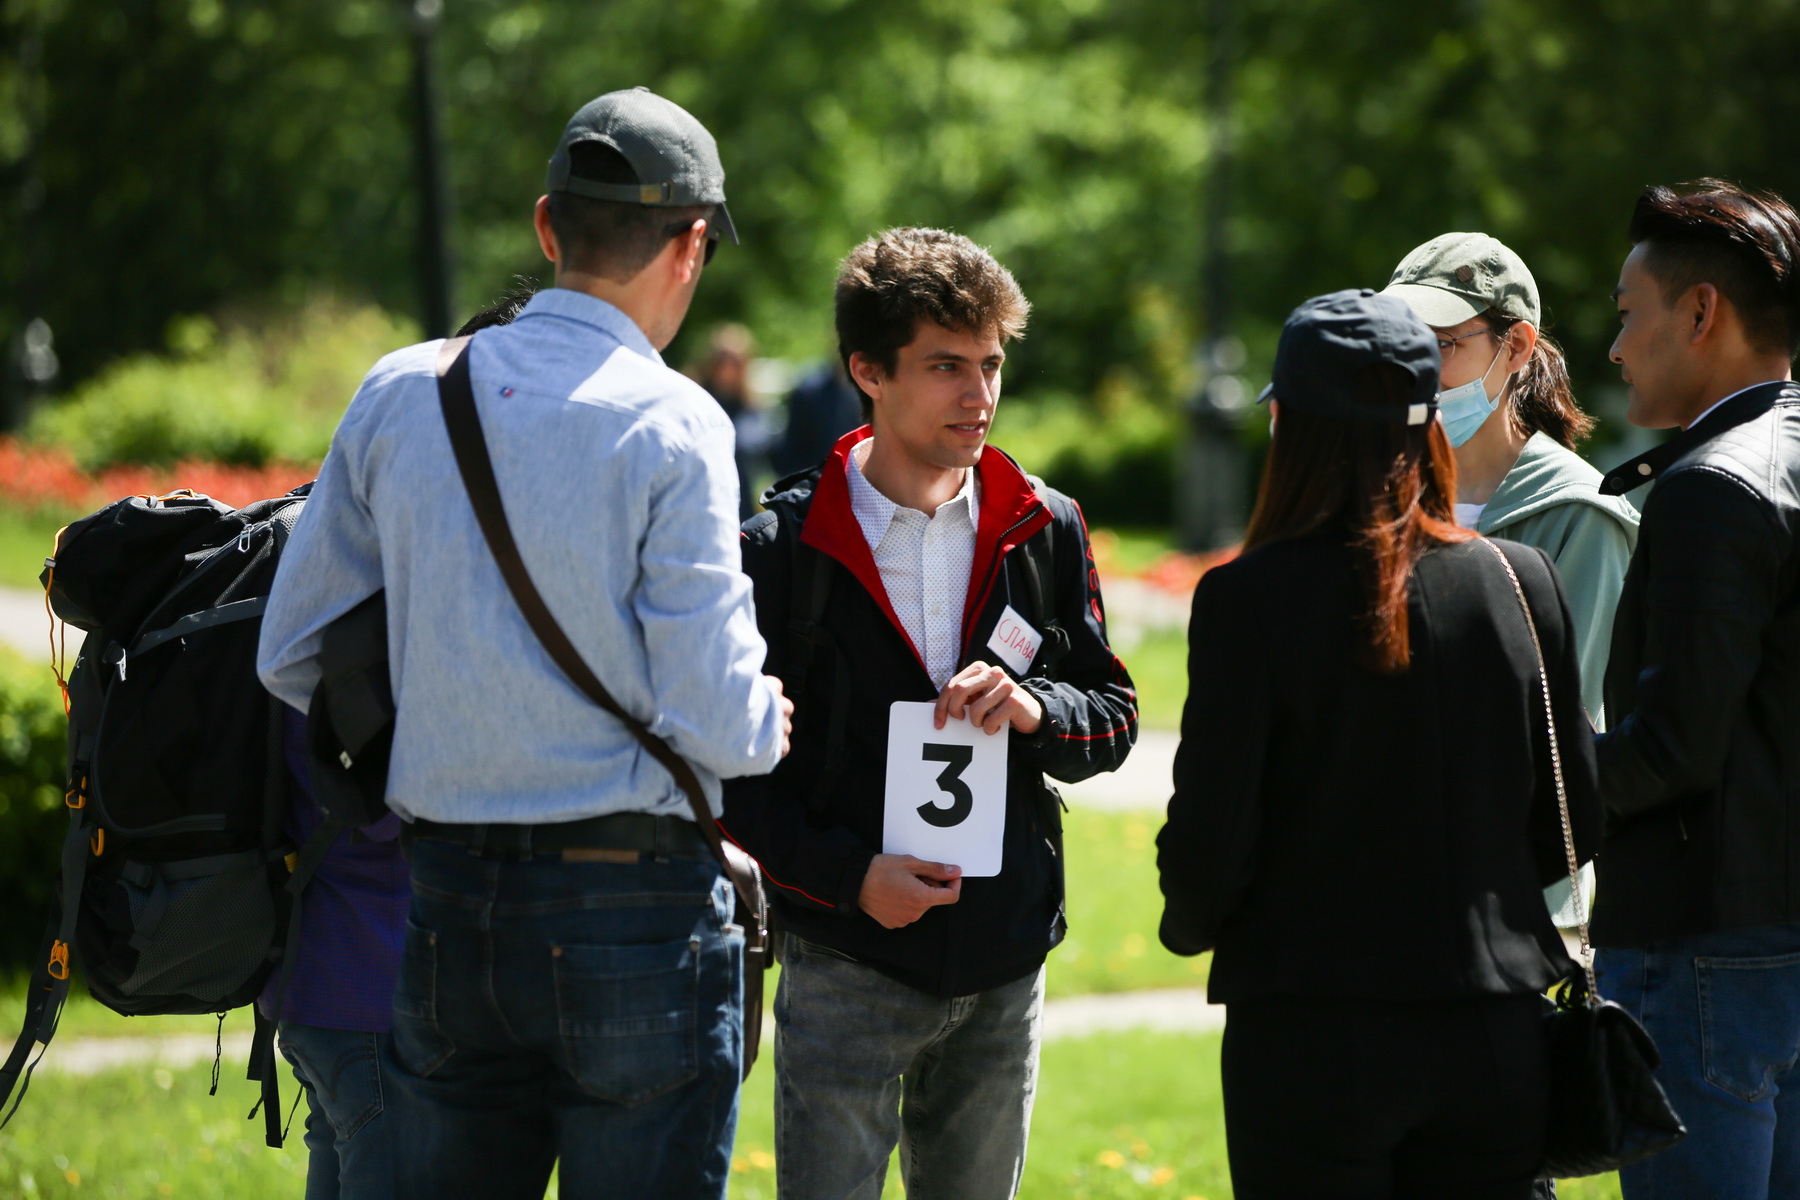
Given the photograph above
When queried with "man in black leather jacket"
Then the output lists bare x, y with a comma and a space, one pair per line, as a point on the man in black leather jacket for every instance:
1698, 915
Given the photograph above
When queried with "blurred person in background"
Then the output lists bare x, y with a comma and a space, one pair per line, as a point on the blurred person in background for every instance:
1507, 408
1699, 916
821, 408
1364, 719
725, 374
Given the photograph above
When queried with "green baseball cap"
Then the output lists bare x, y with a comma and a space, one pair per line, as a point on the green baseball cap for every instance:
1456, 276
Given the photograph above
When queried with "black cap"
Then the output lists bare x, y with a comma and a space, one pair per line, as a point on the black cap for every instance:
1329, 339
675, 158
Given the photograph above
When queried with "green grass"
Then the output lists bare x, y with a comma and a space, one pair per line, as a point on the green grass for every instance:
85, 1017
1134, 550
1118, 1115
26, 539
1114, 906
1158, 666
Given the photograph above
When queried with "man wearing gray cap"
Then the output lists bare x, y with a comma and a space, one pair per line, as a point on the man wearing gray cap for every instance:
570, 989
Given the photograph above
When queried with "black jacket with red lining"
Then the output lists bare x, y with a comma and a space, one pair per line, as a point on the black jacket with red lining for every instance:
1001, 927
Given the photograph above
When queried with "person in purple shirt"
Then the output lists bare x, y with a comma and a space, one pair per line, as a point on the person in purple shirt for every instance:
334, 1019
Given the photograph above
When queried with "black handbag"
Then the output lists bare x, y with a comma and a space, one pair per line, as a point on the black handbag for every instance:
1606, 1109
470, 447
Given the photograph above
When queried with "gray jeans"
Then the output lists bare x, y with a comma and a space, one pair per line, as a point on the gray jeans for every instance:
863, 1063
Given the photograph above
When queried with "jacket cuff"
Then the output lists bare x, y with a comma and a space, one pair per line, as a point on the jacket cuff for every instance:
1052, 723
850, 881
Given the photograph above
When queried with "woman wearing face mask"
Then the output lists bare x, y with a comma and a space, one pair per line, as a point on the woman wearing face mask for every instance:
1507, 409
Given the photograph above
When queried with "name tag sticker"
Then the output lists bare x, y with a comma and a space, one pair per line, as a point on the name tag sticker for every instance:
946, 790
1015, 641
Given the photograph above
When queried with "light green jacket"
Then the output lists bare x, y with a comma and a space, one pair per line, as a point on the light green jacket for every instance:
1551, 499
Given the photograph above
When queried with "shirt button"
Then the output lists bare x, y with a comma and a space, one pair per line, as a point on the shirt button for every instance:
1643, 468
936, 611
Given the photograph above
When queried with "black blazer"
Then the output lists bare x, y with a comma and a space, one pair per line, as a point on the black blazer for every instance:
1335, 832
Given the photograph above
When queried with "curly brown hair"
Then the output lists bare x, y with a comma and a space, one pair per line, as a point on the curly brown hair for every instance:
897, 278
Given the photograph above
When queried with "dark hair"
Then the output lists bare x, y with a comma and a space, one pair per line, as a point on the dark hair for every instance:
1542, 400
504, 311
1390, 487
609, 238
896, 279
1746, 244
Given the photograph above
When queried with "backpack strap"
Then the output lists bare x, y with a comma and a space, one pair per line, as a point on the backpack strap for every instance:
1038, 555
49, 985
808, 639
263, 1070
463, 420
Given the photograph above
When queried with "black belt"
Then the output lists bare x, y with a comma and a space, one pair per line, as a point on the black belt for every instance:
658, 836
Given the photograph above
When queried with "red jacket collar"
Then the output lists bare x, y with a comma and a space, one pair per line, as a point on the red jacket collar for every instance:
1010, 507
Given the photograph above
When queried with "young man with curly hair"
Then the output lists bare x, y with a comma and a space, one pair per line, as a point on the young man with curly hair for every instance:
935, 612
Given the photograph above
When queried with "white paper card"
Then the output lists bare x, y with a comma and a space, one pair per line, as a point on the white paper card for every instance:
1015, 641
946, 790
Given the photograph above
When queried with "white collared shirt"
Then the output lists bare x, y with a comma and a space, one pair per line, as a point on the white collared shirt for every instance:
924, 562
1733, 396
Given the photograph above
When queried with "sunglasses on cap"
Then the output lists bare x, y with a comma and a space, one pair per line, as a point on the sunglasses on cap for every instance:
712, 237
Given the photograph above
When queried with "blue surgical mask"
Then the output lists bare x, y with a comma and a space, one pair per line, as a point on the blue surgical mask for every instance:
1465, 408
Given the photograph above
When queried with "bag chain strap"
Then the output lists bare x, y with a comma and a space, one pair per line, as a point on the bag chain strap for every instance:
1562, 796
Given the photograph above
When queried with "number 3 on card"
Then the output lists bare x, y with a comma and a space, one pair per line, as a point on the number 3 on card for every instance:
946, 790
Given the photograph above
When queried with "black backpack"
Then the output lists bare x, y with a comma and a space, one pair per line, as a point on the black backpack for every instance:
179, 890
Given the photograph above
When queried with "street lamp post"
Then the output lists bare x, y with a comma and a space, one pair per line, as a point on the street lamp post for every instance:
434, 263
1211, 478
31, 365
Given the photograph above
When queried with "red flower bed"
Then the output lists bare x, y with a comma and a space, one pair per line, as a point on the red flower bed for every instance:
39, 477
1179, 573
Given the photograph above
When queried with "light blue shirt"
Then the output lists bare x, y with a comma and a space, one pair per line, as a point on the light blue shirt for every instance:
618, 481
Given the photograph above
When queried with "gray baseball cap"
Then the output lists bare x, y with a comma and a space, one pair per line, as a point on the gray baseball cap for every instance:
676, 159
1456, 276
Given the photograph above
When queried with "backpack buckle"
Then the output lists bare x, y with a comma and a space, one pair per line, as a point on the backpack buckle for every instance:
59, 961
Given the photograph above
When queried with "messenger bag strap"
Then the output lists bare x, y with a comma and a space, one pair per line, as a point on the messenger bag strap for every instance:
466, 439
457, 397
1562, 794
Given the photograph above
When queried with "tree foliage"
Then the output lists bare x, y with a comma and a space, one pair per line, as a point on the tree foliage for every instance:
199, 154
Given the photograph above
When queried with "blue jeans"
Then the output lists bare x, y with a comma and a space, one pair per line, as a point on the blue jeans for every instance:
587, 1013
1724, 1009
863, 1063
349, 1139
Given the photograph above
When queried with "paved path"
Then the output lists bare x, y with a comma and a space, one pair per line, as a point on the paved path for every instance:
25, 627
1145, 780
1177, 1010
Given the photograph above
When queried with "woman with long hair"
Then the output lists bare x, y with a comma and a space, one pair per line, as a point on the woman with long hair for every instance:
1364, 720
